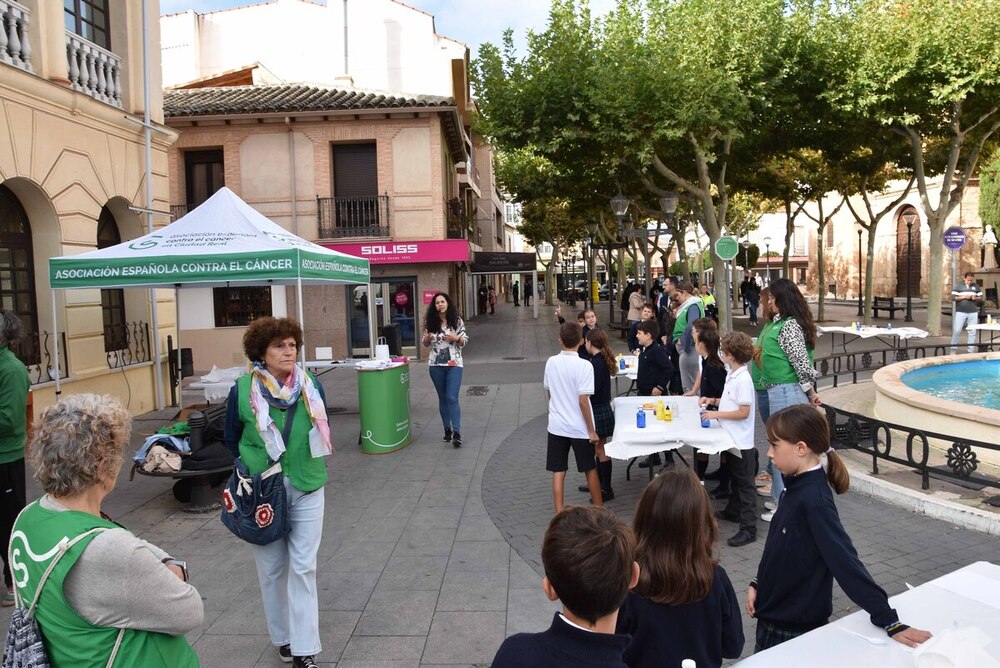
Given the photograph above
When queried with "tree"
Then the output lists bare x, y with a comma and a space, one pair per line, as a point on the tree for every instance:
930, 71
989, 195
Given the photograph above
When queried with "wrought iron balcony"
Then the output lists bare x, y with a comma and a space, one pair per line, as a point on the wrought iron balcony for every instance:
35, 352
127, 344
353, 216
93, 71
457, 222
15, 49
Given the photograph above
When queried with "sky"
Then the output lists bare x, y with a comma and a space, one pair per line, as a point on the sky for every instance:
469, 21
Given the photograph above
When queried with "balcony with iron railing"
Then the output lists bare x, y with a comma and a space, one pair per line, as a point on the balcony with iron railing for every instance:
457, 222
341, 217
36, 351
93, 71
15, 48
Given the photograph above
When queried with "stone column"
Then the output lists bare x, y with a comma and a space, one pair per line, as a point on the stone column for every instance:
51, 60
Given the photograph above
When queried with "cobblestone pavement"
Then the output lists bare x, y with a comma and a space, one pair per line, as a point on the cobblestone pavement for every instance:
430, 554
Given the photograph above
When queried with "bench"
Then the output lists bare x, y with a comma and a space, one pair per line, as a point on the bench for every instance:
194, 488
622, 329
886, 304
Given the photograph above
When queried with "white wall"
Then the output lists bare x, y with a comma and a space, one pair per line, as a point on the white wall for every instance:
391, 46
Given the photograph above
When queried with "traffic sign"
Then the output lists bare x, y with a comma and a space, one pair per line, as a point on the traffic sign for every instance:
726, 248
954, 238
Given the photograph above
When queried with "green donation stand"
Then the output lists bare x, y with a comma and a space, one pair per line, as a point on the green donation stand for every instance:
384, 398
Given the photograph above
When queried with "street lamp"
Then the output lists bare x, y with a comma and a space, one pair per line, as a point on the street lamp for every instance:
909, 216
767, 258
692, 243
619, 205
861, 290
668, 205
746, 270
592, 228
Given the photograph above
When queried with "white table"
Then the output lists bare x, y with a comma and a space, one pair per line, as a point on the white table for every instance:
886, 336
968, 597
630, 373
993, 328
217, 382
629, 442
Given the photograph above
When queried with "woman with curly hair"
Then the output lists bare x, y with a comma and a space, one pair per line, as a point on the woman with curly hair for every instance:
444, 334
277, 413
112, 598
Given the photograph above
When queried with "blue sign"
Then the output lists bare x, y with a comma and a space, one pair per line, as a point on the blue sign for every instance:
954, 238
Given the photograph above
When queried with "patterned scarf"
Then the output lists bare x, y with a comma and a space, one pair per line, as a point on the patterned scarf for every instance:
266, 391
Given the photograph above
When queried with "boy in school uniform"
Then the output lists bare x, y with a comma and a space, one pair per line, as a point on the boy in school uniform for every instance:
653, 376
736, 415
589, 560
569, 382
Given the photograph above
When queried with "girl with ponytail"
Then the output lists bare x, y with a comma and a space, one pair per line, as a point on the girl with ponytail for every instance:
603, 359
807, 546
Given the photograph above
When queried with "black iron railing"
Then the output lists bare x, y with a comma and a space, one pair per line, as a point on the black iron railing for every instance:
37, 353
353, 216
892, 442
457, 222
127, 344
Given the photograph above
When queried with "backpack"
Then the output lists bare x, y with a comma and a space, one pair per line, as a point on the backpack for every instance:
24, 646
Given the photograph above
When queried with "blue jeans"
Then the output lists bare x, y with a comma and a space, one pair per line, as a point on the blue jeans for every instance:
448, 381
286, 569
778, 397
960, 321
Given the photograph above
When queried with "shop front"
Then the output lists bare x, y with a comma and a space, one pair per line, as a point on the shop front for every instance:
404, 277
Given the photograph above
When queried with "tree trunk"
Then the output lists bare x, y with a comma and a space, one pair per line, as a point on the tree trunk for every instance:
550, 274
869, 273
821, 269
935, 277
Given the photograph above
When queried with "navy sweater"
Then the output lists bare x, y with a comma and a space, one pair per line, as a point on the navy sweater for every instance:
655, 369
664, 635
807, 547
561, 645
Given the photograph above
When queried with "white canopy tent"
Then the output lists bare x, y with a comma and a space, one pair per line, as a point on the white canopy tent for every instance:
222, 242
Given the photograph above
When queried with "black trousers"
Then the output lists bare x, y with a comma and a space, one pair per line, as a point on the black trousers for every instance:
13, 496
743, 497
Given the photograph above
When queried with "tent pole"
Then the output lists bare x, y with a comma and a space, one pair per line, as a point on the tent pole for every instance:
147, 132
372, 318
55, 328
298, 299
177, 319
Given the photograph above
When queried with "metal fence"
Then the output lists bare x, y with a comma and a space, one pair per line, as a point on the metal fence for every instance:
37, 354
127, 344
353, 216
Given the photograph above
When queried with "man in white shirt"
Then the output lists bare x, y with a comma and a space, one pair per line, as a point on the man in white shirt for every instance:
569, 382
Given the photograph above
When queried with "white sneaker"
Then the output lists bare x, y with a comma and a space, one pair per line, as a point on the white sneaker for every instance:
770, 505
767, 516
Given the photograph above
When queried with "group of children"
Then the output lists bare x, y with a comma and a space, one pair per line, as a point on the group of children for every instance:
654, 594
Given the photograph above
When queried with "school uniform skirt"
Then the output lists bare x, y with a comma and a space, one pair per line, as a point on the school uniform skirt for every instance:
604, 420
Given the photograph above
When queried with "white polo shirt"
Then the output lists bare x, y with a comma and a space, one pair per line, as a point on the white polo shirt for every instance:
567, 378
739, 392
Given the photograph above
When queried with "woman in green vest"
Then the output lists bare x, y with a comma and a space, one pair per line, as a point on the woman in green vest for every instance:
259, 408
109, 587
786, 358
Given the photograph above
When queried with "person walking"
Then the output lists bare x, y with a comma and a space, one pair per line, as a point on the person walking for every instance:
14, 384
636, 300
753, 300
445, 335
527, 292
277, 413
965, 312
483, 295
107, 597
492, 298
516, 292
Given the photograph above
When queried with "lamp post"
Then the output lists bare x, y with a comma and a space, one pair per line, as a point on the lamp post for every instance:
668, 205
592, 228
619, 205
692, 243
909, 216
861, 290
767, 259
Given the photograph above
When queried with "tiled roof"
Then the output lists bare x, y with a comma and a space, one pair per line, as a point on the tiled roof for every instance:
285, 98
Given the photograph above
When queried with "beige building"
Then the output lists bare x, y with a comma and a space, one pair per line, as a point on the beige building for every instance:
72, 163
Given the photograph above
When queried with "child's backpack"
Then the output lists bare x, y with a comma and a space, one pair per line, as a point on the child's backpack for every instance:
24, 647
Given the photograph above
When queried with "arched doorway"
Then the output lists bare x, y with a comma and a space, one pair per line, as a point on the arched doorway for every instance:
17, 274
908, 256
112, 300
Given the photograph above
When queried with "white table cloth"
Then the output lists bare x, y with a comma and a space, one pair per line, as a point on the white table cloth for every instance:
993, 328
950, 607
685, 428
884, 334
629, 373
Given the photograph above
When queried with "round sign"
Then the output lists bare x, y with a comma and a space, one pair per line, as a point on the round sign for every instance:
726, 248
401, 299
954, 238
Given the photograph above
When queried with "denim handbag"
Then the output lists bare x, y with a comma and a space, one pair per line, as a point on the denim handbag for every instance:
255, 507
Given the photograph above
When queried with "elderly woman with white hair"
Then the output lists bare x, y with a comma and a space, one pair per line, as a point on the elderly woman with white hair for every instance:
112, 598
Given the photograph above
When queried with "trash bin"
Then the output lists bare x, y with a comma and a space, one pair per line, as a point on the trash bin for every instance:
384, 399
187, 362
393, 337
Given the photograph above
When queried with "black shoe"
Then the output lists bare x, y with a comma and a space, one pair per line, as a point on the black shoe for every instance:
607, 495
456, 440
719, 493
652, 460
304, 662
714, 475
447, 435
729, 517
285, 653
584, 488
744, 537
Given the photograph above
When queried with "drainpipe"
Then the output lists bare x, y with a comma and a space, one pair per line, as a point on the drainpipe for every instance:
291, 160
346, 71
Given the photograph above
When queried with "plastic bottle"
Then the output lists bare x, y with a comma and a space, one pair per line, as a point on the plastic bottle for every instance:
668, 415
621, 362
640, 418
889, 326
661, 410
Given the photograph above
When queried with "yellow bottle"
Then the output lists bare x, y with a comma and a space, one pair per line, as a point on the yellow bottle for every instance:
667, 414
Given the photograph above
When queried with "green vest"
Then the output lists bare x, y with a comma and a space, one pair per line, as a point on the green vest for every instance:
682, 319
14, 399
777, 370
306, 473
755, 369
71, 640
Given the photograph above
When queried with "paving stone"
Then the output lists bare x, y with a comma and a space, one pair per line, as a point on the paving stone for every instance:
479, 556
464, 637
529, 611
230, 651
384, 648
473, 590
425, 542
398, 613
339, 590
404, 573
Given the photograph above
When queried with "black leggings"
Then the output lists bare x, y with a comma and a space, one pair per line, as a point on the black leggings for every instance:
13, 494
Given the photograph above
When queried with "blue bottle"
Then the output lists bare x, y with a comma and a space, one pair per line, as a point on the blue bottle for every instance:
621, 364
640, 419
705, 422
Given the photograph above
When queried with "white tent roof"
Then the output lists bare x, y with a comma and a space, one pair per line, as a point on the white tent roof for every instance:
223, 241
